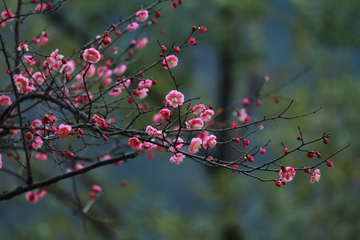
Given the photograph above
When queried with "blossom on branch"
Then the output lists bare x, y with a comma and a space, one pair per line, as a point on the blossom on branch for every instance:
171, 61
92, 55
64, 131
195, 145
316, 176
142, 15
99, 121
175, 98
287, 173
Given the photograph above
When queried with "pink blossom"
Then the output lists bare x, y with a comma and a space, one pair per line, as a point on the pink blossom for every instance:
31, 197
134, 142
36, 123
146, 146
157, 118
68, 68
22, 83
175, 98
287, 173
132, 26
90, 71
209, 142
38, 78
115, 92
55, 57
153, 132
198, 109
41, 193
142, 15
91, 55
41, 156
203, 135
195, 145
145, 84
40, 7
125, 83
142, 43
316, 176
104, 72
179, 142
165, 113
107, 81
195, 123
177, 158
30, 60
5, 100
243, 116
106, 157
119, 70
143, 93
96, 188
99, 121
207, 114
64, 131
170, 61
23, 47
7, 14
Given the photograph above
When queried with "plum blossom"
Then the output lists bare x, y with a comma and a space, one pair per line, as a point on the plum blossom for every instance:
55, 57
36, 123
68, 68
31, 197
153, 132
30, 60
198, 109
134, 142
207, 114
210, 142
64, 131
132, 26
41, 156
7, 14
96, 188
89, 70
22, 84
119, 70
142, 15
91, 55
143, 93
195, 123
195, 145
38, 78
177, 158
23, 47
202, 135
316, 176
142, 43
170, 61
175, 98
287, 173
5, 100
165, 113
40, 7
145, 84
99, 121
146, 146
178, 146
115, 92
37, 143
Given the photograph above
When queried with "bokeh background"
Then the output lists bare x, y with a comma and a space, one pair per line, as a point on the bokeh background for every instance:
318, 41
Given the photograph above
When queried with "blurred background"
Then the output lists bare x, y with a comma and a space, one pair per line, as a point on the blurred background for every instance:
312, 44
